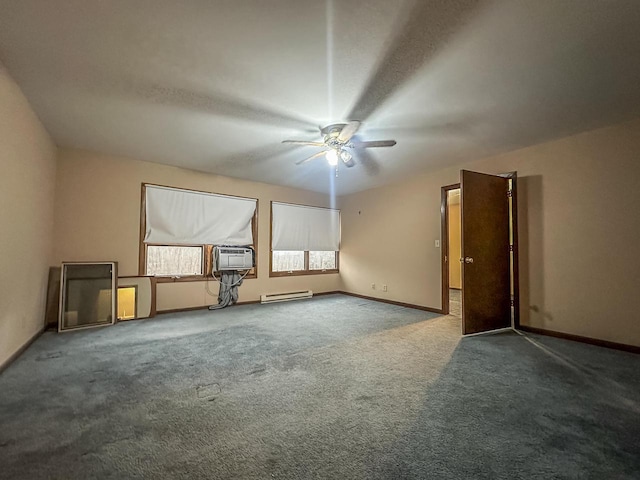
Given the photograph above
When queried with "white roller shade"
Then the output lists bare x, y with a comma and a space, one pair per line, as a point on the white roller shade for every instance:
296, 227
185, 217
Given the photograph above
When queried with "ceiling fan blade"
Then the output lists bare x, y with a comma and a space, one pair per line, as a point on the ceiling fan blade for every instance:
216, 103
239, 162
373, 143
413, 46
304, 142
315, 155
368, 162
348, 131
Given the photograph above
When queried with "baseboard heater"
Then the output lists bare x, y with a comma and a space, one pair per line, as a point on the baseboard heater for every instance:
285, 297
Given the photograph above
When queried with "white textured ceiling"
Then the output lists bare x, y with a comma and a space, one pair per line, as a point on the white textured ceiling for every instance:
216, 85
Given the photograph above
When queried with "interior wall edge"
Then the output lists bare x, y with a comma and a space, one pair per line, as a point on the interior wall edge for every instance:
27, 197
15, 355
394, 302
240, 303
578, 338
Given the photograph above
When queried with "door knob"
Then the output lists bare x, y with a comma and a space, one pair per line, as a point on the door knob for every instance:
468, 259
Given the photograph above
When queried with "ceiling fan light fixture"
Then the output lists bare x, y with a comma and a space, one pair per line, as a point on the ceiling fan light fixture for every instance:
332, 157
347, 159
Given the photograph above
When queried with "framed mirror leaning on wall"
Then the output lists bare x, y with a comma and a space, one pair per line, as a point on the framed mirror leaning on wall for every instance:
88, 295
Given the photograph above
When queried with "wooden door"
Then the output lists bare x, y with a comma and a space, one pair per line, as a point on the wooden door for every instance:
486, 297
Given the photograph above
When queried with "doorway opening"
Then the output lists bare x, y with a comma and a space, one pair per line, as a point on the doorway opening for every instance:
451, 251
477, 304
455, 253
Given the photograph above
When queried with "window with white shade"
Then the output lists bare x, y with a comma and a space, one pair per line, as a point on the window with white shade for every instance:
179, 229
304, 240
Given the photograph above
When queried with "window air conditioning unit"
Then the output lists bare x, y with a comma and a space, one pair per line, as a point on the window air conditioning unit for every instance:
233, 258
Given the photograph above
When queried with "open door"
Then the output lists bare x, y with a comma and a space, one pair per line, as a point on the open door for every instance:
486, 294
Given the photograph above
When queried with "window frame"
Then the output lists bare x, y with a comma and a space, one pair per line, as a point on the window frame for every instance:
207, 249
295, 273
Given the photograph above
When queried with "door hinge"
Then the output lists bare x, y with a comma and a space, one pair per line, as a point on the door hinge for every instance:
512, 302
509, 193
511, 248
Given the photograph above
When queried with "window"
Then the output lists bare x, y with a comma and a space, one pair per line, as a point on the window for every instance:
287, 261
179, 229
175, 260
304, 240
322, 260
301, 262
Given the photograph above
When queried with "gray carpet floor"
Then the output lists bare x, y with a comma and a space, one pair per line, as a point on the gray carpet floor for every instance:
455, 302
333, 387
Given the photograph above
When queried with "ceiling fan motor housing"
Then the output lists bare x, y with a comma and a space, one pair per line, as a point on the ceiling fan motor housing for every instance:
331, 133
333, 130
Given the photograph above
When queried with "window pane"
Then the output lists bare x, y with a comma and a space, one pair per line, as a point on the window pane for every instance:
178, 261
287, 261
322, 260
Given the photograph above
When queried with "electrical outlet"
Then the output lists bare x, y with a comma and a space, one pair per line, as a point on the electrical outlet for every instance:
373, 286
384, 288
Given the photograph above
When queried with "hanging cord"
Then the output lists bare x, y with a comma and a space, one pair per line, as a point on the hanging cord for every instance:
219, 280
238, 282
228, 292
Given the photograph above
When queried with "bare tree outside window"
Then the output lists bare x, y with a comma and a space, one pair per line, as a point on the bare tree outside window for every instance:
174, 261
302, 262
322, 260
287, 261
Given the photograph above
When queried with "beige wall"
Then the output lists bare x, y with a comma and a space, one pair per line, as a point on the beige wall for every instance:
455, 267
27, 163
579, 252
98, 218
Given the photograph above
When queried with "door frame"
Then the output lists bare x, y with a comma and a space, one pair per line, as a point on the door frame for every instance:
513, 176
444, 244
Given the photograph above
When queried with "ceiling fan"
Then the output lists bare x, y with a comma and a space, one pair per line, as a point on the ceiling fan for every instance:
338, 140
